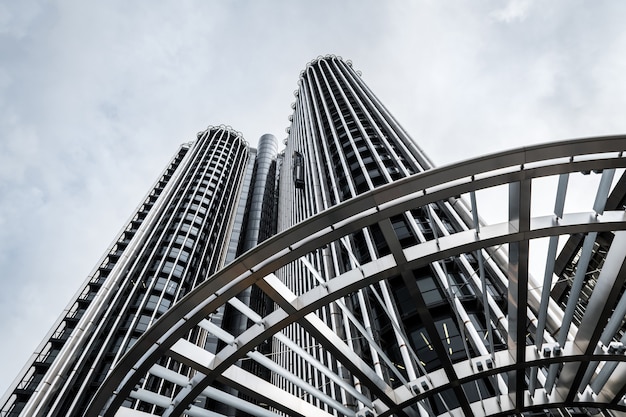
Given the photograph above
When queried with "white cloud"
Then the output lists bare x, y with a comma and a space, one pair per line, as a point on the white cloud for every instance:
515, 10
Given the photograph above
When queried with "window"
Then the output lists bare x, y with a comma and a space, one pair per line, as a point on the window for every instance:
173, 253
451, 338
142, 323
152, 303
459, 281
298, 170
180, 240
167, 267
178, 271
188, 228
430, 290
404, 302
184, 256
170, 287
424, 349
164, 306
403, 231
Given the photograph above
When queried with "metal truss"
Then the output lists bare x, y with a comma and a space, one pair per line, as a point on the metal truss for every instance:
581, 367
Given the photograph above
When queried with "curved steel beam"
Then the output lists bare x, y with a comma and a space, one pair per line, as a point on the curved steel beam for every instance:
374, 206
299, 309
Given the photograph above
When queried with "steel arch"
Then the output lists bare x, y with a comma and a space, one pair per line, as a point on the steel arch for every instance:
441, 184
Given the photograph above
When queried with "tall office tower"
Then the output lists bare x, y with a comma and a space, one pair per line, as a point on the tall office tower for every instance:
349, 277
178, 237
343, 143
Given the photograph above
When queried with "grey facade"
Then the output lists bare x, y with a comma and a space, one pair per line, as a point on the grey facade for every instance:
348, 144
348, 276
178, 237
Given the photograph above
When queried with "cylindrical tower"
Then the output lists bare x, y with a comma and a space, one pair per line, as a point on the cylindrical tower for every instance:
259, 225
178, 237
342, 143
261, 199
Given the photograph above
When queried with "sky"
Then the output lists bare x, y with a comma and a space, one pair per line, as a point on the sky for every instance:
95, 98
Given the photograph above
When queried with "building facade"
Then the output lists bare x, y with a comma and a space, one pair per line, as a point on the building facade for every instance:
183, 232
347, 144
348, 276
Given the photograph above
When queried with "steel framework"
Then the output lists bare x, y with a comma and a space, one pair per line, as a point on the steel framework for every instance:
584, 368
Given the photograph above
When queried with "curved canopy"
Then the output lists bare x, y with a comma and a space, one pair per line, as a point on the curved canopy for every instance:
586, 370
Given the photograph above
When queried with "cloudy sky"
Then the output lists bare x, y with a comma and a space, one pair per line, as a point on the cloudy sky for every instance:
95, 97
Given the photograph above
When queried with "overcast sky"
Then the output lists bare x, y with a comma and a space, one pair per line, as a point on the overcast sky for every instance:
95, 98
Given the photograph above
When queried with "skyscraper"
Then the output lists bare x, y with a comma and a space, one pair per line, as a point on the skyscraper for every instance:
345, 276
180, 234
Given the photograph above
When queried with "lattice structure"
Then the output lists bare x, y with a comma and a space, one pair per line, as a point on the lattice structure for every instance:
533, 371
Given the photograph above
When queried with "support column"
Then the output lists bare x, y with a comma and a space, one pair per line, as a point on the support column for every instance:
519, 221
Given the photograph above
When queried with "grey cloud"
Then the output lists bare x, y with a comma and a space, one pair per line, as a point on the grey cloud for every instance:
514, 10
17, 19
